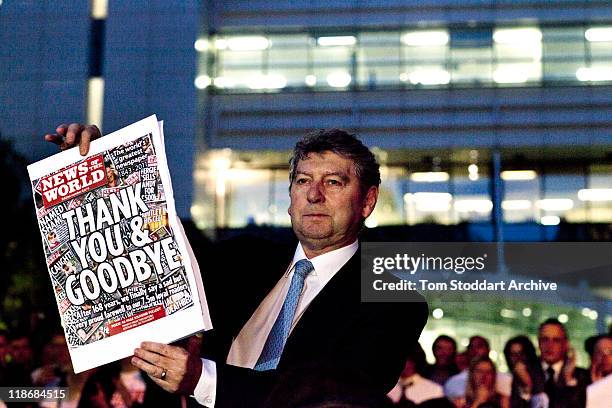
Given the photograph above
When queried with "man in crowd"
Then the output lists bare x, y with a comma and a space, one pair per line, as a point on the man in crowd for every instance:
478, 347
564, 384
22, 359
411, 385
600, 392
310, 319
444, 350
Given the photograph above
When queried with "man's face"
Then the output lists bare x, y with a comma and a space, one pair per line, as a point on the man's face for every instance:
484, 374
326, 202
110, 175
602, 356
478, 347
444, 351
21, 351
553, 343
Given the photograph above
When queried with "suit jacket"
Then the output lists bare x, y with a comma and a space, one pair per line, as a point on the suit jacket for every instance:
339, 342
565, 396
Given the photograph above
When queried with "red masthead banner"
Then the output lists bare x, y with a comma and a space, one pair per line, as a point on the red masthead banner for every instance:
72, 181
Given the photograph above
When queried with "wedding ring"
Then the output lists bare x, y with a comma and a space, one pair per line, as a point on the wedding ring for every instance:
163, 374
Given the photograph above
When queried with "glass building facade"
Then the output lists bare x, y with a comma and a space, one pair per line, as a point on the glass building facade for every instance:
480, 56
448, 186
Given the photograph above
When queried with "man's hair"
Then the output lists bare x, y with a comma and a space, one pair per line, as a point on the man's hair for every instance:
555, 322
444, 337
484, 340
343, 144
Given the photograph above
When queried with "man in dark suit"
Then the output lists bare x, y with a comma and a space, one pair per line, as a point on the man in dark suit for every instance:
564, 383
280, 314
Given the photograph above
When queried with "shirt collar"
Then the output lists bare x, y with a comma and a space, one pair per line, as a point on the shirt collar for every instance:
555, 366
327, 264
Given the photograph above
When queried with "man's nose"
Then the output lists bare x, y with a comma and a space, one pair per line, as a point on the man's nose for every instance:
315, 193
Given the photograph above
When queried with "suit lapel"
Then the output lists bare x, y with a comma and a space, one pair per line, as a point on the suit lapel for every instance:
327, 310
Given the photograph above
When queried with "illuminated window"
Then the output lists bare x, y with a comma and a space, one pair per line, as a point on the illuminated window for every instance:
424, 57
518, 55
598, 197
471, 56
378, 59
332, 61
563, 53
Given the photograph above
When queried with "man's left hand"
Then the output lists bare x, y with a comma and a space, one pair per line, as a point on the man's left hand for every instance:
182, 369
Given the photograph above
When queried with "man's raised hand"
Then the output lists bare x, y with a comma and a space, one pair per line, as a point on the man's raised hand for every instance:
67, 136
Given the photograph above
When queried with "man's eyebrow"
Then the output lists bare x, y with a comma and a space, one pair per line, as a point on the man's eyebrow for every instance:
340, 174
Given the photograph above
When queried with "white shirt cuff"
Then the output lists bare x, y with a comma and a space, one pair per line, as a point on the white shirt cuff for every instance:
205, 391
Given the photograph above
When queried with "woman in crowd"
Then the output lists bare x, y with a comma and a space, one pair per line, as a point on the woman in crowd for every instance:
527, 375
480, 391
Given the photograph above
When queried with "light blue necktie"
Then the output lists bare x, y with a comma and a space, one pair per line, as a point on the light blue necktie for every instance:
271, 353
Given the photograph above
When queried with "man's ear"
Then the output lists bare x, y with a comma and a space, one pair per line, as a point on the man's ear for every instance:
369, 201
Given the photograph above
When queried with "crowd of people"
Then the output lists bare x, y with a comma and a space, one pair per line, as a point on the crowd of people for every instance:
467, 379
470, 379
48, 364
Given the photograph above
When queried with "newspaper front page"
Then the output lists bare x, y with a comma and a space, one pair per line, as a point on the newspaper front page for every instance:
120, 266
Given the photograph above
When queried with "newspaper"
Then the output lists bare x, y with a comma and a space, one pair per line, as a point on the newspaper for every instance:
120, 266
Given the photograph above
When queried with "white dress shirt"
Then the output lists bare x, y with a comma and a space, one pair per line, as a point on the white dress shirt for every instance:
557, 367
249, 343
416, 388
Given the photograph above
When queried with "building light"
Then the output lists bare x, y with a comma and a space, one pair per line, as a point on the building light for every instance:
224, 82
99, 9
429, 177
550, 220
508, 313
594, 74
339, 79
595, 194
516, 205
437, 313
220, 43
202, 81
425, 38
269, 81
337, 41
473, 172
371, 222
520, 36
518, 175
555, 204
201, 45
429, 77
252, 43
510, 75
310, 80
95, 101
475, 205
432, 202
598, 34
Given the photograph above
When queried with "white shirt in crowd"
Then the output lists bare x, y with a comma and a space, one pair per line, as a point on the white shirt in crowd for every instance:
416, 388
557, 367
455, 386
247, 347
600, 393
